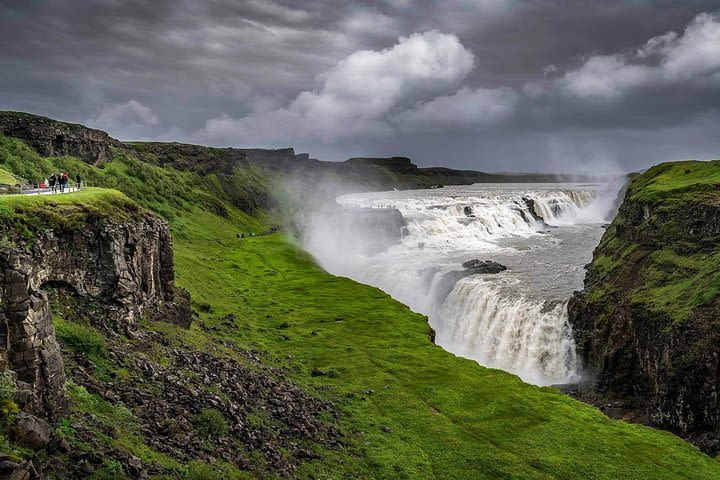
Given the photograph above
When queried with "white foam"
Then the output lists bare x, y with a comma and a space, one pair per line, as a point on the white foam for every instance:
478, 319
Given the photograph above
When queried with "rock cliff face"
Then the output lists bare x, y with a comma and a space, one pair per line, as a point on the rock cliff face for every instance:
127, 266
647, 323
53, 138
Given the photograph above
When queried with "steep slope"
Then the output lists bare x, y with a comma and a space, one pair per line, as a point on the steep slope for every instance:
290, 371
648, 321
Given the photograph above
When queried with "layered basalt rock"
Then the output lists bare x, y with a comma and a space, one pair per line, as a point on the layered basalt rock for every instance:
127, 266
53, 138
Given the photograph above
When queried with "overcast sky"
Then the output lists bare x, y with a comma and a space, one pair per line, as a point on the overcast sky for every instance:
495, 85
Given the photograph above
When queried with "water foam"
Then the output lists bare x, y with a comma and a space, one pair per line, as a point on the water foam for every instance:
481, 316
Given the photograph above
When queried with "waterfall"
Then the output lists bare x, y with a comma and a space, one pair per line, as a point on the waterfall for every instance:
531, 339
502, 320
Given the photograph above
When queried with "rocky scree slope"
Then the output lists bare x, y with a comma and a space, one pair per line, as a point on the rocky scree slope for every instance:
648, 321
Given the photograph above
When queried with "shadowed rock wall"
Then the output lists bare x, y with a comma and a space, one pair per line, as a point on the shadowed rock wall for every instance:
126, 266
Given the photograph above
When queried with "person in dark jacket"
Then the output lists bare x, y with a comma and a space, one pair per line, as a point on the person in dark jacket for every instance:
78, 181
52, 181
63, 181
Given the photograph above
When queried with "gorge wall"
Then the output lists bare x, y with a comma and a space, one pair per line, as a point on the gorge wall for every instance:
53, 138
647, 323
126, 265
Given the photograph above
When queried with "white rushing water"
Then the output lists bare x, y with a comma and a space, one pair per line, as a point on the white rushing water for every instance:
515, 320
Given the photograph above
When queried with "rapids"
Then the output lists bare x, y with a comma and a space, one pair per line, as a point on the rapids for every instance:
515, 320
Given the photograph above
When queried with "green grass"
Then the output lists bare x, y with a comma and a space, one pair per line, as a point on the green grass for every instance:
663, 263
408, 408
29, 215
81, 339
411, 409
676, 180
7, 178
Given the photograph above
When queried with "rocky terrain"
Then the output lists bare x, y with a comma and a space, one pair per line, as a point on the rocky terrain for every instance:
87, 281
50, 137
188, 405
647, 323
127, 265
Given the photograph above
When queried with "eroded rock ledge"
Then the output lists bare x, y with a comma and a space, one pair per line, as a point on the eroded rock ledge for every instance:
127, 266
53, 138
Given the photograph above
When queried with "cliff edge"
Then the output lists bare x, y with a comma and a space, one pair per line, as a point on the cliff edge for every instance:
647, 323
97, 245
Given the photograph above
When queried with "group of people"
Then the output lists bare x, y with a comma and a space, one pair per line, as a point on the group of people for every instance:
58, 182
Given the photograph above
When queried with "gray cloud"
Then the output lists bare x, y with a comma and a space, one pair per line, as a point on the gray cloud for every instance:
553, 84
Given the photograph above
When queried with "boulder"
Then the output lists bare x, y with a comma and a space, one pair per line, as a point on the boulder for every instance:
483, 266
31, 431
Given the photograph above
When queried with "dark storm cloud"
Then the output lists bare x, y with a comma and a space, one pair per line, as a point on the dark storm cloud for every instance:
486, 84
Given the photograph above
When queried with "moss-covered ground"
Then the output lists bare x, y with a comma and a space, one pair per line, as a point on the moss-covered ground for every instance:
666, 262
7, 178
408, 408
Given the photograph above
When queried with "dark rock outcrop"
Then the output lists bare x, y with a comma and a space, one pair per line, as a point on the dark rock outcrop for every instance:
31, 431
53, 138
206, 160
483, 266
530, 204
127, 266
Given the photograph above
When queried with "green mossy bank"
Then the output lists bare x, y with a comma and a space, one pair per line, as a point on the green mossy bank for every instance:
408, 409
648, 320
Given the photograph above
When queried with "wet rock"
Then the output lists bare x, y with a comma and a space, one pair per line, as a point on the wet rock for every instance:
472, 267
530, 204
484, 266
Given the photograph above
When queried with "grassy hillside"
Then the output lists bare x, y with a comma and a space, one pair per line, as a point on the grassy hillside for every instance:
415, 410
7, 178
407, 408
674, 263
